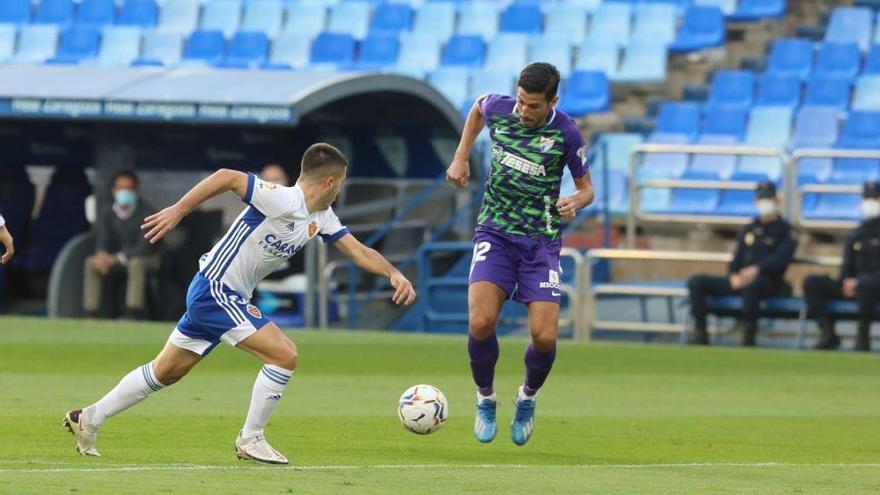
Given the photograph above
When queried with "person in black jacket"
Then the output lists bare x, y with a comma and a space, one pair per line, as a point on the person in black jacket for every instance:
120, 246
764, 248
859, 277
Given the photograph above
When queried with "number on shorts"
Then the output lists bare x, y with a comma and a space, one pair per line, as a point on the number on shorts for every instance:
480, 250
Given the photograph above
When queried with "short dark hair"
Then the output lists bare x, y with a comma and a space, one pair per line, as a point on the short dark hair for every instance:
125, 173
322, 157
540, 77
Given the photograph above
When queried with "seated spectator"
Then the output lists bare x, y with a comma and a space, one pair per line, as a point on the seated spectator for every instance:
121, 248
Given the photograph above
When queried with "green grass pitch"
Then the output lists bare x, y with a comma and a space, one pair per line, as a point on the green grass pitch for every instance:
611, 419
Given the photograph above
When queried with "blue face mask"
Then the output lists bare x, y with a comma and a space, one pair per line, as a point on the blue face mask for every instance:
125, 197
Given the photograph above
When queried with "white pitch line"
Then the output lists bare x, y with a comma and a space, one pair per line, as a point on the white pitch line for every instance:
350, 467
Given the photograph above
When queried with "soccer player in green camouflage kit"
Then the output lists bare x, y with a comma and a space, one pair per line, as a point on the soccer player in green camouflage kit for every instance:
516, 244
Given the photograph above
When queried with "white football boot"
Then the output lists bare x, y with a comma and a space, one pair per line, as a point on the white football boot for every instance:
78, 422
256, 448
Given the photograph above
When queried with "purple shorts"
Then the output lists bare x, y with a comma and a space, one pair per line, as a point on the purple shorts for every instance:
526, 267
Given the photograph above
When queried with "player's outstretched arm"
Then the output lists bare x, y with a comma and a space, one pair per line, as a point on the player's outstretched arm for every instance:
569, 205
159, 224
460, 171
6, 241
370, 260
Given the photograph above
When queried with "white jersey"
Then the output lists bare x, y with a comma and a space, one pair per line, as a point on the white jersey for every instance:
273, 228
2, 222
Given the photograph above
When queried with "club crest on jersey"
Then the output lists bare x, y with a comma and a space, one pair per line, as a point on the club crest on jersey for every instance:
313, 227
254, 311
269, 186
546, 144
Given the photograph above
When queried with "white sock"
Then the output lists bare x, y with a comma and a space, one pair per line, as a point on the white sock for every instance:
133, 388
268, 388
521, 395
481, 397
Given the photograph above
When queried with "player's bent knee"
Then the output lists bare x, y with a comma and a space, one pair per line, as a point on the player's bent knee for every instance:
544, 342
482, 326
286, 356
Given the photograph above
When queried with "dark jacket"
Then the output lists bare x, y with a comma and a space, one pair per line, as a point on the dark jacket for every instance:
115, 235
770, 246
861, 255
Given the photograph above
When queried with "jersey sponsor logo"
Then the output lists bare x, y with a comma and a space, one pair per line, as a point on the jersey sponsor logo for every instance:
552, 282
517, 163
254, 311
277, 247
269, 186
546, 143
313, 227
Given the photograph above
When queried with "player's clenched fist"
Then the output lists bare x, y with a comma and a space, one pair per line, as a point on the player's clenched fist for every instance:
458, 172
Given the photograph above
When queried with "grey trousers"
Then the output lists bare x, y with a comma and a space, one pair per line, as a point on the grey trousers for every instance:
135, 291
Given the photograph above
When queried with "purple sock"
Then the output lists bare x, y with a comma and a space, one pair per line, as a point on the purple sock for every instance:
484, 355
538, 365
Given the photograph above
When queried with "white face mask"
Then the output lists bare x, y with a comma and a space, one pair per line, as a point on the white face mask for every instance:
766, 207
871, 208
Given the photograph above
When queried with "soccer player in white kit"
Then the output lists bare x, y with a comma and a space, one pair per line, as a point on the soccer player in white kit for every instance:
276, 225
6, 241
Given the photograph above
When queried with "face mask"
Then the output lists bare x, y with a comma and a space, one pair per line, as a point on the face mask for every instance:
871, 208
766, 207
125, 197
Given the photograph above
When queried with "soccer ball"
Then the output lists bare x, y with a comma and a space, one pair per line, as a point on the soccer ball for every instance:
422, 409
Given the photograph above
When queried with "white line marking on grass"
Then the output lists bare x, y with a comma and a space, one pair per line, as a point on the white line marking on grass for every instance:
349, 467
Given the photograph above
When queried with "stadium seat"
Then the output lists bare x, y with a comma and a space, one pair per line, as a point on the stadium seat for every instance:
77, 44
519, 18
290, 50
452, 82
334, 49
702, 27
264, 15
611, 22
507, 54
791, 57
585, 92
732, 89
391, 19
872, 61
736, 202
247, 49
643, 63
850, 25
179, 16
835, 207
725, 122
779, 90
221, 15
716, 166
568, 20
8, 33
59, 12
655, 22
15, 11
161, 48
120, 46
861, 130
682, 118
694, 201
437, 19
556, 51
727, 7
479, 18
419, 54
490, 81
768, 126
613, 149
351, 18
853, 170
589, 5
378, 52
206, 47
464, 51
841, 60
827, 91
96, 13
815, 127
306, 18
754, 10
867, 93
36, 44
143, 13
598, 55
664, 165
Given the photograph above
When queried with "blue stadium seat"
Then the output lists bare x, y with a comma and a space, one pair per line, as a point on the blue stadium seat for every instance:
611, 22
716, 166
479, 18
77, 44
585, 92
96, 13
872, 61
333, 49
694, 201
161, 48
815, 127
655, 22
36, 44
221, 15
643, 63
351, 18
15, 11
853, 171
391, 19
507, 53
665, 165
589, 5
143, 13
179, 16
769, 126
791, 57
378, 52
702, 27
567, 19
556, 51
850, 25
58, 12
827, 91
727, 7
247, 49
465, 51
598, 55
779, 90
615, 148
732, 89
208, 47
8, 33
290, 50
490, 81
617, 192
419, 54
835, 207
306, 18
736, 202
867, 93
437, 19
120, 46
813, 170
725, 122
861, 130
453, 83
264, 15
518, 18
753, 10
681, 118
841, 60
